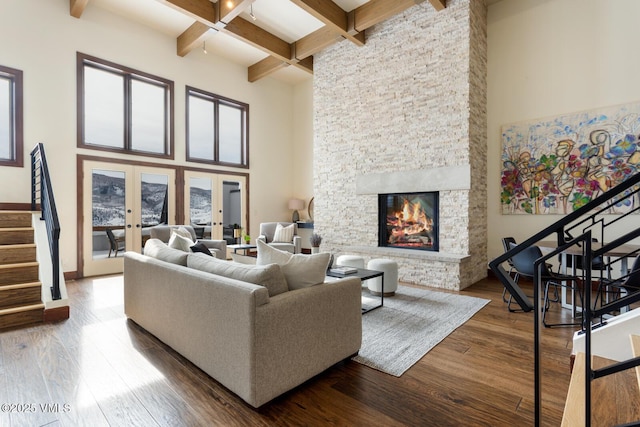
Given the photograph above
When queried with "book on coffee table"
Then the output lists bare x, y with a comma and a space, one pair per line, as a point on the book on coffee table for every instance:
343, 270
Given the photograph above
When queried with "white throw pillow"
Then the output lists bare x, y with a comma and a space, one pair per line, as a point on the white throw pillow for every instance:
181, 231
301, 271
176, 241
283, 234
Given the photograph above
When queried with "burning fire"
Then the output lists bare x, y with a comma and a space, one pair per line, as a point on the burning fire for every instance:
410, 226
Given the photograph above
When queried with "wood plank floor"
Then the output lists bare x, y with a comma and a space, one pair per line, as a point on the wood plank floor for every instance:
97, 368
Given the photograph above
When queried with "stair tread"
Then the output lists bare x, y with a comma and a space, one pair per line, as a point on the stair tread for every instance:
20, 286
19, 264
21, 308
607, 393
17, 246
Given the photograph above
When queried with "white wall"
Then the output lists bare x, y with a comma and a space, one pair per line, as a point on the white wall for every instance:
41, 39
303, 144
548, 58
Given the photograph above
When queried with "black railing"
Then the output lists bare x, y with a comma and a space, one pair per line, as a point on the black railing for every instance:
42, 197
588, 222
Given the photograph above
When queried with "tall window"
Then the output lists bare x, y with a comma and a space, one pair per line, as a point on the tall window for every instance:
121, 109
217, 129
11, 135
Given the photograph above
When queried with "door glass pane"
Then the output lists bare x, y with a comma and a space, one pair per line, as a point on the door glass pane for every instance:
231, 209
230, 134
148, 117
200, 205
108, 213
154, 202
103, 108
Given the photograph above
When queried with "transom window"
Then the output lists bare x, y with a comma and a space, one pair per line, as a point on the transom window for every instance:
11, 133
217, 129
121, 109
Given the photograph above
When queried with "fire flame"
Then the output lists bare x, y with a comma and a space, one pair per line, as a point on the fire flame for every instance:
411, 224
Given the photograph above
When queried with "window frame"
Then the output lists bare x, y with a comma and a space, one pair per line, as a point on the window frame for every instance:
218, 100
16, 116
129, 75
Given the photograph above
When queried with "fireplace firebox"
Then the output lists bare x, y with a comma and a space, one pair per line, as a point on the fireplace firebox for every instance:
408, 220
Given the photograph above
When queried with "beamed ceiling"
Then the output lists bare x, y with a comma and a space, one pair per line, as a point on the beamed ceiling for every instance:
279, 42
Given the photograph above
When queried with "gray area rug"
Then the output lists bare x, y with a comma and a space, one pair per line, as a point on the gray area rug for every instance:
397, 335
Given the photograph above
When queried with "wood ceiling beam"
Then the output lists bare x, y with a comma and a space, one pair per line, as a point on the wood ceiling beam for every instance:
438, 4
376, 11
76, 7
191, 38
261, 39
265, 67
229, 10
200, 10
333, 16
315, 42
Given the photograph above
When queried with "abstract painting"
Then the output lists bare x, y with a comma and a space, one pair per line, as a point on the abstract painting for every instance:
557, 165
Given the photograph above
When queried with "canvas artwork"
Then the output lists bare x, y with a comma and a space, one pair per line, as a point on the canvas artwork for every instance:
557, 165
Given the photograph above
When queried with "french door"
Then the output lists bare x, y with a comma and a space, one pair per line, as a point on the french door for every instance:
215, 204
120, 203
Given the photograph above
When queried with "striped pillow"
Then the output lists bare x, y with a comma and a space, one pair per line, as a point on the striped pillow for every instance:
283, 234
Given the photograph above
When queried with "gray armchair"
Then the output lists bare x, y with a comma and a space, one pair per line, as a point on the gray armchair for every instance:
216, 247
268, 231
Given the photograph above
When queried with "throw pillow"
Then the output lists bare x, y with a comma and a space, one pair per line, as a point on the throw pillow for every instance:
269, 276
156, 248
181, 231
202, 248
177, 241
283, 234
301, 271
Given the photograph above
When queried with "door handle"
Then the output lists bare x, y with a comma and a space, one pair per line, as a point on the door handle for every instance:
128, 225
137, 225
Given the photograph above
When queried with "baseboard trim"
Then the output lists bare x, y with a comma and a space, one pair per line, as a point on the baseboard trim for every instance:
55, 314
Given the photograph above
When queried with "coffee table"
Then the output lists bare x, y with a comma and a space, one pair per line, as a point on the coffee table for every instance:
364, 274
247, 248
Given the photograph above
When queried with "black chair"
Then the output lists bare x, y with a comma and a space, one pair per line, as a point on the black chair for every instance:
506, 241
524, 265
597, 264
115, 244
628, 284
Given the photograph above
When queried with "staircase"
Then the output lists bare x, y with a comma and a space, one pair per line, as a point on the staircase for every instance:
615, 398
20, 288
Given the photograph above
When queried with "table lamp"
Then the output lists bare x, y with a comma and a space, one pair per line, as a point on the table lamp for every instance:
296, 205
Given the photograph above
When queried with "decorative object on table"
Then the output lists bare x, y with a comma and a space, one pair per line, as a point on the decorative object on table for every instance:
247, 239
310, 209
296, 205
415, 321
558, 164
237, 233
316, 240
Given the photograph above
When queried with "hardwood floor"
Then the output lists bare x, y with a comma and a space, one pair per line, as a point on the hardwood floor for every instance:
97, 368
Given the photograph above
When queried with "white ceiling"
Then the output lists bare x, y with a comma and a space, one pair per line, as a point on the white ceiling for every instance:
280, 17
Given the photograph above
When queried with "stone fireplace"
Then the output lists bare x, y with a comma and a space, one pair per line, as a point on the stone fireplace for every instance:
406, 113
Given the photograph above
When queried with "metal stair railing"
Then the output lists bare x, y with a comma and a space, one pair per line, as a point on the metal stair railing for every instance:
590, 220
42, 196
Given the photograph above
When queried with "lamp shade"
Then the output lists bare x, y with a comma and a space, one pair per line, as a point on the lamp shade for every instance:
296, 204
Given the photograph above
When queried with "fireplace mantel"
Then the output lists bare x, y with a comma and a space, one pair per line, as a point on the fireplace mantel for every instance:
432, 179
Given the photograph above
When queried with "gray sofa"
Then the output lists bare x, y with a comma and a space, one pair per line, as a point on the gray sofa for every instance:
258, 346
163, 232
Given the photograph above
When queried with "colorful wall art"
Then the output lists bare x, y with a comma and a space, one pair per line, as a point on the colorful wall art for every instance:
557, 165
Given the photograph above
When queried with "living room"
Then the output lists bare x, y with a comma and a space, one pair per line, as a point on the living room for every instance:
544, 58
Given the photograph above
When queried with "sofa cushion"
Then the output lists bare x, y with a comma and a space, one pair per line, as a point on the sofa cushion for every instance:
269, 276
156, 248
201, 248
177, 241
301, 271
